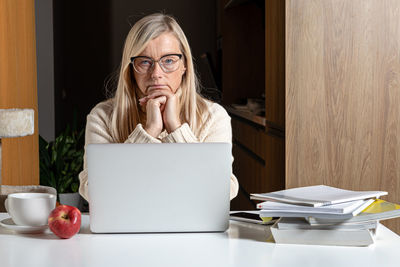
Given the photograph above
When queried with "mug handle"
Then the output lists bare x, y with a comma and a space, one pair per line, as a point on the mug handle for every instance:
6, 204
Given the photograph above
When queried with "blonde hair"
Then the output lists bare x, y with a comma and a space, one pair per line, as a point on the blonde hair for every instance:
125, 114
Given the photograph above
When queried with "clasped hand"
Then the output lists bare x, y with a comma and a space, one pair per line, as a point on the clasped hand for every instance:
162, 111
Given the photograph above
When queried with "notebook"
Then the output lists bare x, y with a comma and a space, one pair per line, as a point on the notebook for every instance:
317, 195
174, 187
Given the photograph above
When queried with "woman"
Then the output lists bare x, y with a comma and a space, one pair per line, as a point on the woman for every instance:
156, 99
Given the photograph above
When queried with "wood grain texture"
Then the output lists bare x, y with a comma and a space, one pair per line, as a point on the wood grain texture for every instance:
275, 63
343, 95
18, 88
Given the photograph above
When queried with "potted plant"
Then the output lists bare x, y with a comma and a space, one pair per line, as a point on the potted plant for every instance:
61, 161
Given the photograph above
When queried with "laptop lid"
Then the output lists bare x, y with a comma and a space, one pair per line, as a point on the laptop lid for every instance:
174, 187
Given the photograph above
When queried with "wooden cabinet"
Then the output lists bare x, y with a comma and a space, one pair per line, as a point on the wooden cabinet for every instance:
332, 93
258, 161
253, 67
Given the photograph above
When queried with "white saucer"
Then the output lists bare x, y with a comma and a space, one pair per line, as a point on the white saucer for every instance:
23, 229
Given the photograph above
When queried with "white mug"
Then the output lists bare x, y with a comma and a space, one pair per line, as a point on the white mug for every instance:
30, 209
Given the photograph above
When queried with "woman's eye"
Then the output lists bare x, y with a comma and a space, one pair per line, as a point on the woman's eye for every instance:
145, 62
168, 61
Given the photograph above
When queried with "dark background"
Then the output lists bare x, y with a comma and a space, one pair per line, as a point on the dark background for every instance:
88, 43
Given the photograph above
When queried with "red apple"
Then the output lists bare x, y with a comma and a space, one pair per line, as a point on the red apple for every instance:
65, 221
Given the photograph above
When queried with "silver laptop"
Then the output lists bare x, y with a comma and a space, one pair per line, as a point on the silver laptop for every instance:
176, 187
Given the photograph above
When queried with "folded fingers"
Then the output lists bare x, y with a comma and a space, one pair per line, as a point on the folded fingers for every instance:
156, 94
158, 101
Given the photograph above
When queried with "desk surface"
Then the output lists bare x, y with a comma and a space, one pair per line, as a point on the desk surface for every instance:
242, 245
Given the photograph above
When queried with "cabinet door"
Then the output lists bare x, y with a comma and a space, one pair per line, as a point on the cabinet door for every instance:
259, 161
343, 95
250, 172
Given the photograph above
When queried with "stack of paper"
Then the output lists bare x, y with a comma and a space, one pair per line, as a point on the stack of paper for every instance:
344, 210
317, 195
325, 215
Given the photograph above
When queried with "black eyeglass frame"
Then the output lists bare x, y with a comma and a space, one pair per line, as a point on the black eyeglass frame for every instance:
155, 61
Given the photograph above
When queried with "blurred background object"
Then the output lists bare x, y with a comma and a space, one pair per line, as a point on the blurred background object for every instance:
15, 123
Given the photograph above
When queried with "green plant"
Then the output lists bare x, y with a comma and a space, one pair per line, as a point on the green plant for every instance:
61, 161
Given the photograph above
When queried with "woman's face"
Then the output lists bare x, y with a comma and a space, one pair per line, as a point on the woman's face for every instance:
156, 78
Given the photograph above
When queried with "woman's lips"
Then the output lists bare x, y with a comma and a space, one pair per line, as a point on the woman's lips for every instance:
156, 86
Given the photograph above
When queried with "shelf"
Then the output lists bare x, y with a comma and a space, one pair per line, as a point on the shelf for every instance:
247, 115
235, 3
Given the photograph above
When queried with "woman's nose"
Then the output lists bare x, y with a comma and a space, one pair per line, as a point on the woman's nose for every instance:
156, 71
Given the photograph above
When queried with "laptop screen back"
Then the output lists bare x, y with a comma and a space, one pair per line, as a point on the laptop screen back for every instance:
176, 187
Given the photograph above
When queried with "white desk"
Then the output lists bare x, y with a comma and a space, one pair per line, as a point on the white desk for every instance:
242, 245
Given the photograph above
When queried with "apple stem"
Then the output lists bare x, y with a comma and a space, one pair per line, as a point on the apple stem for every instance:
65, 216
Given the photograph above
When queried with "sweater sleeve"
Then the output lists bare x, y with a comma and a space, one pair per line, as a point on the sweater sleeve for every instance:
220, 130
139, 135
181, 135
216, 128
97, 132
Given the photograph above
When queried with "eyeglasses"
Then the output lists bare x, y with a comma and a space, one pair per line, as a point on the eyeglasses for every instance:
168, 63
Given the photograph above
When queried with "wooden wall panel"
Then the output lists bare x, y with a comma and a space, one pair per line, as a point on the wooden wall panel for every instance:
18, 88
343, 95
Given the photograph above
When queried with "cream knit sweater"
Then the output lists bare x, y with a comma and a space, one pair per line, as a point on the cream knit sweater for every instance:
216, 128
